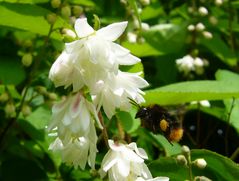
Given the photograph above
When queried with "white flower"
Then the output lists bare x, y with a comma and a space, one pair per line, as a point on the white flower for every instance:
91, 57
114, 92
153, 179
73, 114
78, 150
203, 11
73, 119
125, 162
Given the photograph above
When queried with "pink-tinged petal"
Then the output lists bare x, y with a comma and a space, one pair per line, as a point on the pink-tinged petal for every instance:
113, 31
82, 28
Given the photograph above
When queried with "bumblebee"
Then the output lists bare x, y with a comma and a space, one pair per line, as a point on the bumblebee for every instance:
158, 120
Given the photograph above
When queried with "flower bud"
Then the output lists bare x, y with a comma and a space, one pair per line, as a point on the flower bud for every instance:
182, 160
207, 34
191, 28
26, 110
145, 26
68, 35
200, 163
52, 96
213, 20
27, 43
4, 97
42, 90
190, 9
51, 18
10, 110
27, 59
200, 27
185, 149
218, 2
55, 3
201, 178
66, 11
77, 10
145, 2
203, 11
132, 37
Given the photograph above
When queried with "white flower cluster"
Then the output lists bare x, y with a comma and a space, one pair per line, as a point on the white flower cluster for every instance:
93, 61
126, 162
189, 64
76, 132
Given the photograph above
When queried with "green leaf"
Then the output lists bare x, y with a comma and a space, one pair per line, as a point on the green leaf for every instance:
152, 11
141, 49
166, 38
13, 91
233, 106
40, 117
218, 167
218, 47
168, 167
127, 120
192, 91
11, 71
27, 17
226, 75
83, 2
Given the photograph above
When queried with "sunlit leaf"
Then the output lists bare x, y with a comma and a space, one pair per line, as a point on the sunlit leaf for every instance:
192, 91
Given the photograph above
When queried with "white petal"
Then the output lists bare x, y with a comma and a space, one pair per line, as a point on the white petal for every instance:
74, 46
82, 28
119, 50
131, 155
113, 31
109, 163
160, 179
145, 172
140, 151
123, 167
128, 60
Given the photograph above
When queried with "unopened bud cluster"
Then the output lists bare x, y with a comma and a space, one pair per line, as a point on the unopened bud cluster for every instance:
189, 64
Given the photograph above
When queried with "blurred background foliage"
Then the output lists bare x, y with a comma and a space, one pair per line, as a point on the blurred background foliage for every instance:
32, 35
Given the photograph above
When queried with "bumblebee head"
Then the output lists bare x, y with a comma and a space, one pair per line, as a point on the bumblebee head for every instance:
142, 113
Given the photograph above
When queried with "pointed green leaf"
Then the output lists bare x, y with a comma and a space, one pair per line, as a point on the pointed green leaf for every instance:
192, 91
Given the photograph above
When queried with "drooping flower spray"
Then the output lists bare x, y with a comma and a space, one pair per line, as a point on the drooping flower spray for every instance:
92, 63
